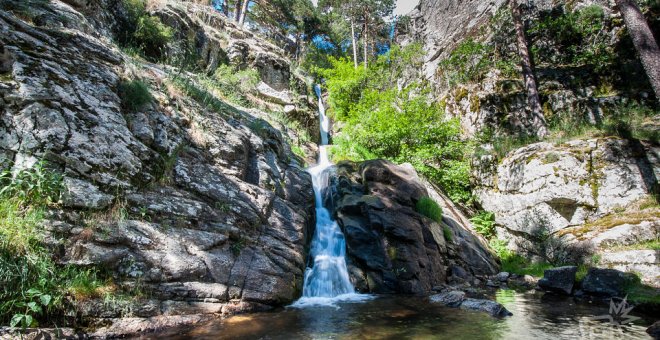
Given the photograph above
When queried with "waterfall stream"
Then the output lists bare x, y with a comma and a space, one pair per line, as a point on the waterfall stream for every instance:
327, 281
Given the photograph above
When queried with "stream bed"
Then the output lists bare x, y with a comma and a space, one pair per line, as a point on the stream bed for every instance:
535, 316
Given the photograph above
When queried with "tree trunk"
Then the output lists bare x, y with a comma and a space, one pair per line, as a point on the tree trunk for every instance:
355, 61
365, 42
244, 12
645, 43
225, 7
238, 10
537, 120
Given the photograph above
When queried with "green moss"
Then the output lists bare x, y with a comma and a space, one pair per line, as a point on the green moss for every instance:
391, 253
475, 103
639, 293
460, 94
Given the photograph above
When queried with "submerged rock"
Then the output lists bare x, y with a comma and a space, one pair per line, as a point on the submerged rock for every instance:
559, 280
654, 330
458, 299
450, 299
491, 307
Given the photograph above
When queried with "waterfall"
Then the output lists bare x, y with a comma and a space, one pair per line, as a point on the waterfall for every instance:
327, 280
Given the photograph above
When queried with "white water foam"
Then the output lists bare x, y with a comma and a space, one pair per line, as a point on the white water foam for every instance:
327, 282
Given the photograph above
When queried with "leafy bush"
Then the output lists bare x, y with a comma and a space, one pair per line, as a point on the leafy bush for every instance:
151, 36
429, 208
36, 185
144, 32
576, 38
32, 285
484, 223
399, 123
235, 84
468, 62
134, 94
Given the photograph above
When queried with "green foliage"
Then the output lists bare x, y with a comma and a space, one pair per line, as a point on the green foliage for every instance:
468, 62
399, 123
577, 38
446, 232
639, 293
32, 286
37, 185
429, 208
151, 36
235, 84
484, 223
134, 94
515, 263
143, 32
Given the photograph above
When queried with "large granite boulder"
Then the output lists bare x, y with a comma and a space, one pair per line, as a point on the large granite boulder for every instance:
559, 279
606, 282
577, 199
391, 247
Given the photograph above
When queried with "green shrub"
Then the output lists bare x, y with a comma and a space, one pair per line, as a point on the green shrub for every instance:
33, 287
484, 223
35, 186
446, 232
468, 62
235, 84
577, 36
144, 32
151, 36
383, 120
134, 95
429, 208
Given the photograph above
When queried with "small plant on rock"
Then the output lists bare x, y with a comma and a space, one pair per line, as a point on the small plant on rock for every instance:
484, 223
134, 95
429, 208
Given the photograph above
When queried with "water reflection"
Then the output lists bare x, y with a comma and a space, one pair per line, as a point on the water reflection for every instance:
535, 317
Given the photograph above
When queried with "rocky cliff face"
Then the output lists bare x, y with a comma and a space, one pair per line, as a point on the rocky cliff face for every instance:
472, 59
441, 24
579, 199
393, 248
197, 202
565, 200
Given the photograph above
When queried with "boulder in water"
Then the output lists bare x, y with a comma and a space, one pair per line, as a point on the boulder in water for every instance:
457, 299
606, 282
449, 299
559, 280
491, 307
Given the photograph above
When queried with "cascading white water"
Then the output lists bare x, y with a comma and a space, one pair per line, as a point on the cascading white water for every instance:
327, 281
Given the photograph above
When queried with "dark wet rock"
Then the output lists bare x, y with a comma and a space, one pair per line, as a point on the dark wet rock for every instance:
449, 299
391, 247
560, 280
606, 282
491, 307
654, 330
502, 276
459, 299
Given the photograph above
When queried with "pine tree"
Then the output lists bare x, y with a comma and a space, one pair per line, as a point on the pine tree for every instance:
645, 43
